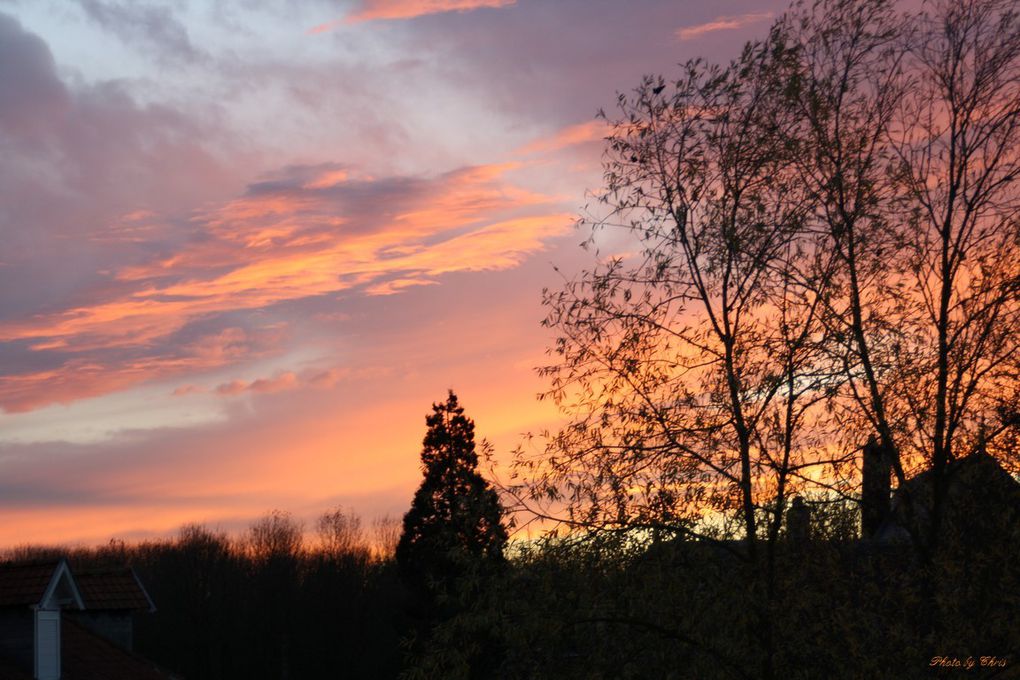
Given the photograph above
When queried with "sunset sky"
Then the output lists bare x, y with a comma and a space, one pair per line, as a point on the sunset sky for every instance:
247, 243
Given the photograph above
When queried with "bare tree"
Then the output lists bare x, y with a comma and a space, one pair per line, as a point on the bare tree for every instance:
694, 369
340, 533
385, 536
846, 83
957, 146
276, 536
691, 371
820, 244
909, 137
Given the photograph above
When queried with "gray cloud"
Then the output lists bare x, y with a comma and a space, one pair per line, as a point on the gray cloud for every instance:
73, 160
560, 61
145, 26
31, 96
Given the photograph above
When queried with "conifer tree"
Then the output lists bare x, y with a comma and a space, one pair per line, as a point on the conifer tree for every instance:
455, 518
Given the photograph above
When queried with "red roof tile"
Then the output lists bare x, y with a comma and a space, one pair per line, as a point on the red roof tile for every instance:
111, 589
10, 671
25, 583
85, 656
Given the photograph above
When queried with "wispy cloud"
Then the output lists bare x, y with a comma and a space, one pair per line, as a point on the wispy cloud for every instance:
281, 381
286, 380
303, 233
93, 369
722, 24
145, 26
572, 135
372, 10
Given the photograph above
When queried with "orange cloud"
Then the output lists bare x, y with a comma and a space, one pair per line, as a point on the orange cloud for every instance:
280, 382
721, 24
592, 131
285, 243
372, 10
328, 179
291, 246
82, 378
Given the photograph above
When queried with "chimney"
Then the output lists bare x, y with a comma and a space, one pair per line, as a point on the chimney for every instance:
875, 487
47, 644
798, 521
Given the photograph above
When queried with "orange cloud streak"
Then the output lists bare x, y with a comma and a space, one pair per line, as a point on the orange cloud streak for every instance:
82, 378
721, 24
266, 249
591, 131
372, 10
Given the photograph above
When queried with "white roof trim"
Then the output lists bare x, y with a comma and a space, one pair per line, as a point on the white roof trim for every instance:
62, 571
141, 586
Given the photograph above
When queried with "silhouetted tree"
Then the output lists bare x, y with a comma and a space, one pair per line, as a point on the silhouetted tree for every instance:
274, 543
455, 519
340, 534
385, 537
822, 243
450, 554
910, 143
274, 536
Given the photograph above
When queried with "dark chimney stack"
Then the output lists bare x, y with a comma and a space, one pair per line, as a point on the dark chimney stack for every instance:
875, 487
798, 521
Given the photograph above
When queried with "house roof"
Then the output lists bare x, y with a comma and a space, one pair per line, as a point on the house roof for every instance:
981, 497
976, 476
113, 589
32, 583
25, 583
86, 656
11, 671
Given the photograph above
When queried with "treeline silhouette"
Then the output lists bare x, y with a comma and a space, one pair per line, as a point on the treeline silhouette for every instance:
846, 608
267, 604
272, 604
827, 233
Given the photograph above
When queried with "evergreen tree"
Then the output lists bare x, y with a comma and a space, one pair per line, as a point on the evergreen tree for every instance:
455, 518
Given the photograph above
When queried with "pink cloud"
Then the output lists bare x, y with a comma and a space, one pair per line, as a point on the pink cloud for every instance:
293, 242
328, 179
327, 378
94, 372
572, 135
290, 239
231, 388
82, 378
722, 24
372, 10
228, 344
278, 383
397, 285
281, 381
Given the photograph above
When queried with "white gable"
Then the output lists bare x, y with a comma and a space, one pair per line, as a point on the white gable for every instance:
62, 591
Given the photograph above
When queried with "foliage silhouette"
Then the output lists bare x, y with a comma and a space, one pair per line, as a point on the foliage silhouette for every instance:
821, 245
450, 551
456, 517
